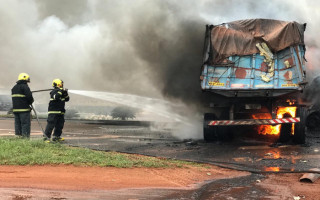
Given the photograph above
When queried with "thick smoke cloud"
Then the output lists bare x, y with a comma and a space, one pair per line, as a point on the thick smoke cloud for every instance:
145, 47
150, 48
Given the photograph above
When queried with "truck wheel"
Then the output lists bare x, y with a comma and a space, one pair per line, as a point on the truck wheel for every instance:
312, 121
299, 136
209, 132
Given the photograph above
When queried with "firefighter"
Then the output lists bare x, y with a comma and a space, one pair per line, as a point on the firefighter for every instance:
22, 99
56, 110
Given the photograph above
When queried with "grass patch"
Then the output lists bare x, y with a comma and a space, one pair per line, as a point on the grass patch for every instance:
7, 116
15, 151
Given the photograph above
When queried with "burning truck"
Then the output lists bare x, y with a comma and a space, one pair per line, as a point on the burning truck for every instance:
255, 73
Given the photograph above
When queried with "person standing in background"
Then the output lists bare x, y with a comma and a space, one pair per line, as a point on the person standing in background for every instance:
22, 99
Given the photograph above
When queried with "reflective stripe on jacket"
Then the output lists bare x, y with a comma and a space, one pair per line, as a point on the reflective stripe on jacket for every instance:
21, 97
58, 97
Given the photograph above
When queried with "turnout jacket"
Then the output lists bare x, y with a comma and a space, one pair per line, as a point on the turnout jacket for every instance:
21, 97
58, 97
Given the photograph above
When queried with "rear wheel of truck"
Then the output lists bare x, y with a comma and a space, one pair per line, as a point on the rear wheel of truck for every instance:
299, 136
209, 132
312, 121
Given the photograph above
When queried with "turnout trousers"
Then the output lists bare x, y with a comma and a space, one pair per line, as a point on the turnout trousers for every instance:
56, 122
22, 123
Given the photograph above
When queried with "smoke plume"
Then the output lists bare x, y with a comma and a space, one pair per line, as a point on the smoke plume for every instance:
142, 47
150, 48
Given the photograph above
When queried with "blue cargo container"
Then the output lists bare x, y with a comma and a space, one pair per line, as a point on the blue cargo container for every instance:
244, 77
254, 66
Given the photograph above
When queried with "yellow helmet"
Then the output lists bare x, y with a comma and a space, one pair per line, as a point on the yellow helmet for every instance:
57, 83
24, 77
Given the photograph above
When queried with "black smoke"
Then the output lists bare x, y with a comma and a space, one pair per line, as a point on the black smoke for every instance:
149, 48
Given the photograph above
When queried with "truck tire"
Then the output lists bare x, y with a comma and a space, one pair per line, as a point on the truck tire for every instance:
299, 136
312, 121
209, 133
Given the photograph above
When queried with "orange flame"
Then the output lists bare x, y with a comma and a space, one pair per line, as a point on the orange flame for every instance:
272, 169
274, 129
273, 154
291, 102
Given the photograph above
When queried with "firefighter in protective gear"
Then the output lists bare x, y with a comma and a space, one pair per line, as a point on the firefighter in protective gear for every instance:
21, 100
56, 110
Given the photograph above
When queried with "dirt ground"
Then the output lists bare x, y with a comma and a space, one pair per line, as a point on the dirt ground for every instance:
67, 177
288, 185
71, 182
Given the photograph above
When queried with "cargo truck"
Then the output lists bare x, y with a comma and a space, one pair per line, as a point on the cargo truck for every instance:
255, 73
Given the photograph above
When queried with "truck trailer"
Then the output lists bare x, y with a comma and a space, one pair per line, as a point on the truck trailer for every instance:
255, 73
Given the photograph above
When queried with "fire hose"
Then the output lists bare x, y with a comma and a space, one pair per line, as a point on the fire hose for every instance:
41, 90
35, 113
34, 110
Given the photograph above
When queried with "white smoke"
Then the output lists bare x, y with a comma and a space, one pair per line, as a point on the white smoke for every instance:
72, 39
150, 48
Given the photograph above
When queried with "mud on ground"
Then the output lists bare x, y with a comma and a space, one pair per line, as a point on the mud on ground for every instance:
69, 182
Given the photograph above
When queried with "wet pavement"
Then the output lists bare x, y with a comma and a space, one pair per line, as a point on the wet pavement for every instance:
247, 152
252, 153
236, 188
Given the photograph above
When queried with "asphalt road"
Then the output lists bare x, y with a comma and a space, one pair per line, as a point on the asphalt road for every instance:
245, 152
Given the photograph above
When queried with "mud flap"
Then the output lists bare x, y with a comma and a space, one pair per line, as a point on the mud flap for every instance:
299, 136
225, 134
285, 133
285, 130
209, 133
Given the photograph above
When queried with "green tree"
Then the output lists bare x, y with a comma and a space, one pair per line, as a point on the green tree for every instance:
123, 113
